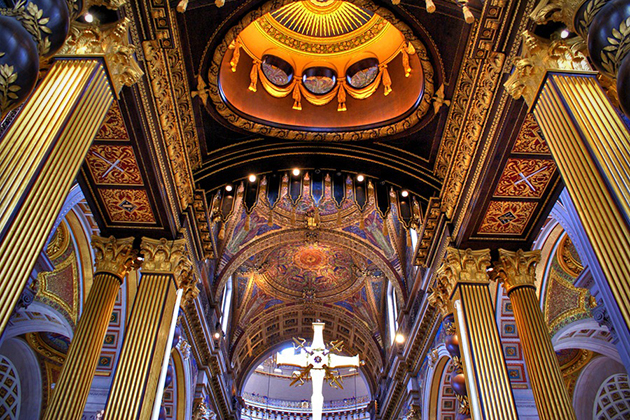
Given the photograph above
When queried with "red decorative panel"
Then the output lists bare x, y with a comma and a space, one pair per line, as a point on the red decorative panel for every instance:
526, 178
507, 217
113, 165
130, 205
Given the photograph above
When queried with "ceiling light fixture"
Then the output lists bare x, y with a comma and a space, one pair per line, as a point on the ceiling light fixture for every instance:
252, 178
360, 178
565, 33
228, 188
404, 193
217, 335
400, 338
88, 18
296, 172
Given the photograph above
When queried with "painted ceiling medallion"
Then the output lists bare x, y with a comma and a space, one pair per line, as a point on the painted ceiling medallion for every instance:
326, 271
315, 60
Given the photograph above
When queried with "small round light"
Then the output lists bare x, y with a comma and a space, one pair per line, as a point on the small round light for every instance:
88, 18
228, 188
296, 172
217, 335
360, 178
252, 178
400, 338
565, 33
404, 193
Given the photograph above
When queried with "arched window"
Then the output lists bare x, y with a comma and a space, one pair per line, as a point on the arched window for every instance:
392, 312
226, 304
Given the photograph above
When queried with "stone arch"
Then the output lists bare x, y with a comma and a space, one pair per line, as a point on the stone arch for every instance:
589, 382
437, 362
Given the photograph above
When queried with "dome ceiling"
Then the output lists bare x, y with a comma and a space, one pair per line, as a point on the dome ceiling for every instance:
322, 65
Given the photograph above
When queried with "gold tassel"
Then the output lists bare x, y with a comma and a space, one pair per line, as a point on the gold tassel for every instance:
297, 97
236, 55
246, 227
293, 217
361, 222
341, 98
253, 76
338, 217
405, 61
222, 232
385, 230
410, 49
387, 81
270, 220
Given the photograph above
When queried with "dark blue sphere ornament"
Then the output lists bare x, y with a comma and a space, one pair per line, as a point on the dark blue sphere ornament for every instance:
609, 36
52, 20
19, 64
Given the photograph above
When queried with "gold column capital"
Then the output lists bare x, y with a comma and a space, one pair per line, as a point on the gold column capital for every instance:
557, 11
517, 269
110, 41
458, 266
465, 266
538, 57
162, 256
114, 256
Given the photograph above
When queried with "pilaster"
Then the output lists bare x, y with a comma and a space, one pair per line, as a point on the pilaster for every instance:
517, 272
114, 258
464, 278
165, 270
591, 147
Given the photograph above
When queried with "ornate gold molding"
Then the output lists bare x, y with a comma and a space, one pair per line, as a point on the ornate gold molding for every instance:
169, 123
115, 256
110, 41
538, 57
440, 296
469, 133
517, 269
558, 11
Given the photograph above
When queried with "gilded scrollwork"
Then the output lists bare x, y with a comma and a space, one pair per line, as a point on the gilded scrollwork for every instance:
8, 86
176, 148
558, 11
471, 130
111, 41
537, 58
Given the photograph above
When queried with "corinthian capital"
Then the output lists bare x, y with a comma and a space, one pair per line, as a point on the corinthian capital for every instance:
162, 256
517, 269
538, 57
465, 266
110, 41
114, 256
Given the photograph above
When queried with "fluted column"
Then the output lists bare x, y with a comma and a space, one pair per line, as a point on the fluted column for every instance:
166, 269
517, 272
114, 258
463, 277
591, 146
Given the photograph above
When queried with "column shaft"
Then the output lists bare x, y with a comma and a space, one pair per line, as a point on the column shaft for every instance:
486, 374
39, 159
592, 149
550, 392
133, 390
72, 389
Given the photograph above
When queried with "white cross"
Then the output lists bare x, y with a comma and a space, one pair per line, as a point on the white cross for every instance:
112, 166
317, 361
525, 179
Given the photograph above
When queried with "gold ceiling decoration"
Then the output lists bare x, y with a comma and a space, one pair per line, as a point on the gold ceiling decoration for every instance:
331, 35
320, 18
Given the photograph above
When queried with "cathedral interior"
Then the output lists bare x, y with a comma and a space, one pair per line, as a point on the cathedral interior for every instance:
188, 188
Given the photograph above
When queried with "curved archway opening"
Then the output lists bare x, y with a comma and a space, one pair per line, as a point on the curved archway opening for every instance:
272, 389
